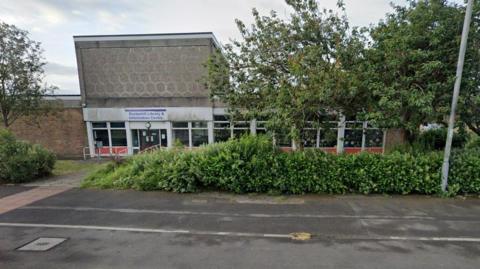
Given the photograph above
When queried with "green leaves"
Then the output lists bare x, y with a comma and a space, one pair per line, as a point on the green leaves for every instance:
289, 71
411, 65
21, 75
23, 162
252, 164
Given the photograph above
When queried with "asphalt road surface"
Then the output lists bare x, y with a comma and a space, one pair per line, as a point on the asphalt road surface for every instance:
129, 229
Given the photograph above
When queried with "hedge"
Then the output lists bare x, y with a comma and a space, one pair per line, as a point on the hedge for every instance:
22, 162
252, 164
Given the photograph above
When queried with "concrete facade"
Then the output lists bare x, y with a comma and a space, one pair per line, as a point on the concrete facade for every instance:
143, 71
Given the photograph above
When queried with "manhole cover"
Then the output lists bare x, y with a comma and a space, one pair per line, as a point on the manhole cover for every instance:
42, 244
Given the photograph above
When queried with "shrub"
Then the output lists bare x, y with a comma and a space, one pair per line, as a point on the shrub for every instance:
252, 164
465, 170
434, 139
22, 162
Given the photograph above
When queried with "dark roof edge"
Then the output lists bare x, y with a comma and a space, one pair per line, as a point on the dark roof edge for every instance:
80, 38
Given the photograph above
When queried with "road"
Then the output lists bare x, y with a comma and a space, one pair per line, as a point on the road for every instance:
129, 229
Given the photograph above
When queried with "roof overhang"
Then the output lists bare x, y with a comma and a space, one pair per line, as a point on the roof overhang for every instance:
203, 35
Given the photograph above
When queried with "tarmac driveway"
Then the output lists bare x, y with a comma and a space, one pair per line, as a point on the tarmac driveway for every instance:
126, 229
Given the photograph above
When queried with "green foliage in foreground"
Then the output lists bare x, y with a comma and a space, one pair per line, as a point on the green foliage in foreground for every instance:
22, 162
252, 164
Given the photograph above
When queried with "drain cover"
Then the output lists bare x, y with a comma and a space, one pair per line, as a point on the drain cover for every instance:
42, 244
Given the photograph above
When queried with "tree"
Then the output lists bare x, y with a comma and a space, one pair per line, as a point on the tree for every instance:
290, 72
21, 74
469, 101
410, 66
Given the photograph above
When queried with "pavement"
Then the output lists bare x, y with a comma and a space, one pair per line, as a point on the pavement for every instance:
130, 229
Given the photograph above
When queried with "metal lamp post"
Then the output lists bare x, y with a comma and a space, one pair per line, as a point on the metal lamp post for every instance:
456, 91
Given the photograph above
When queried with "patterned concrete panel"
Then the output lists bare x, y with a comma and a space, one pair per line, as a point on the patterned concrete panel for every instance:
130, 72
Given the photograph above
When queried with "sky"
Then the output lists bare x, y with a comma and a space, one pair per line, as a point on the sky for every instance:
55, 22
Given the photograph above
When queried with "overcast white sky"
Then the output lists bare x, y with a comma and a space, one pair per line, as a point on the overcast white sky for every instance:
54, 22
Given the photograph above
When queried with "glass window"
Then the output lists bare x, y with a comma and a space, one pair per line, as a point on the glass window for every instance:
221, 124
99, 124
117, 124
180, 124
328, 138
199, 137
353, 138
261, 131
220, 118
239, 132
182, 136
309, 138
282, 140
101, 136
119, 138
221, 135
135, 141
374, 138
241, 124
199, 124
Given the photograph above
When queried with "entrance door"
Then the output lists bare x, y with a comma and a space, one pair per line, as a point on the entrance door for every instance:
150, 138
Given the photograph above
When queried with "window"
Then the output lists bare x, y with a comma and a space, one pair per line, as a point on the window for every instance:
99, 125
282, 139
119, 138
101, 136
109, 134
199, 137
117, 125
374, 138
328, 138
182, 136
353, 134
353, 138
199, 133
135, 139
309, 138
221, 128
241, 128
191, 134
180, 124
261, 127
181, 133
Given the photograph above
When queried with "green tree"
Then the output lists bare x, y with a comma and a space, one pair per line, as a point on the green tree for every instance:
21, 74
469, 101
290, 72
410, 65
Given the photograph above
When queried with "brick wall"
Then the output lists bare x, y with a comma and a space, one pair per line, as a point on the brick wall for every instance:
63, 132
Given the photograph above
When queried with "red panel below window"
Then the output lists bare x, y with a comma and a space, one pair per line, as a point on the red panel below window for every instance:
115, 150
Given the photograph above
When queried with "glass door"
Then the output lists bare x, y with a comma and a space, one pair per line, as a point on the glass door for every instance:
150, 138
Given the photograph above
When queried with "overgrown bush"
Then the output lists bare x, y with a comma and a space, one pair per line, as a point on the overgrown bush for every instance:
22, 162
434, 139
253, 164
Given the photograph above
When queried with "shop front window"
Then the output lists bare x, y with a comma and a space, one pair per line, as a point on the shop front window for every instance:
119, 138
199, 137
181, 135
199, 133
101, 138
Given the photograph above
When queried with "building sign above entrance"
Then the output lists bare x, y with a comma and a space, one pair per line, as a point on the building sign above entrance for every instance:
159, 114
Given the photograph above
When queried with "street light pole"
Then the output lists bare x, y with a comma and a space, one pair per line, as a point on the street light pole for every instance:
456, 91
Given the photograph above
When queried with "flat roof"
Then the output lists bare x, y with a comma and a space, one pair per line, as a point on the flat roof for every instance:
155, 36
62, 96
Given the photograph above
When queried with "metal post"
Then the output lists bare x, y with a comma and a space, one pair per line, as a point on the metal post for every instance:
456, 91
